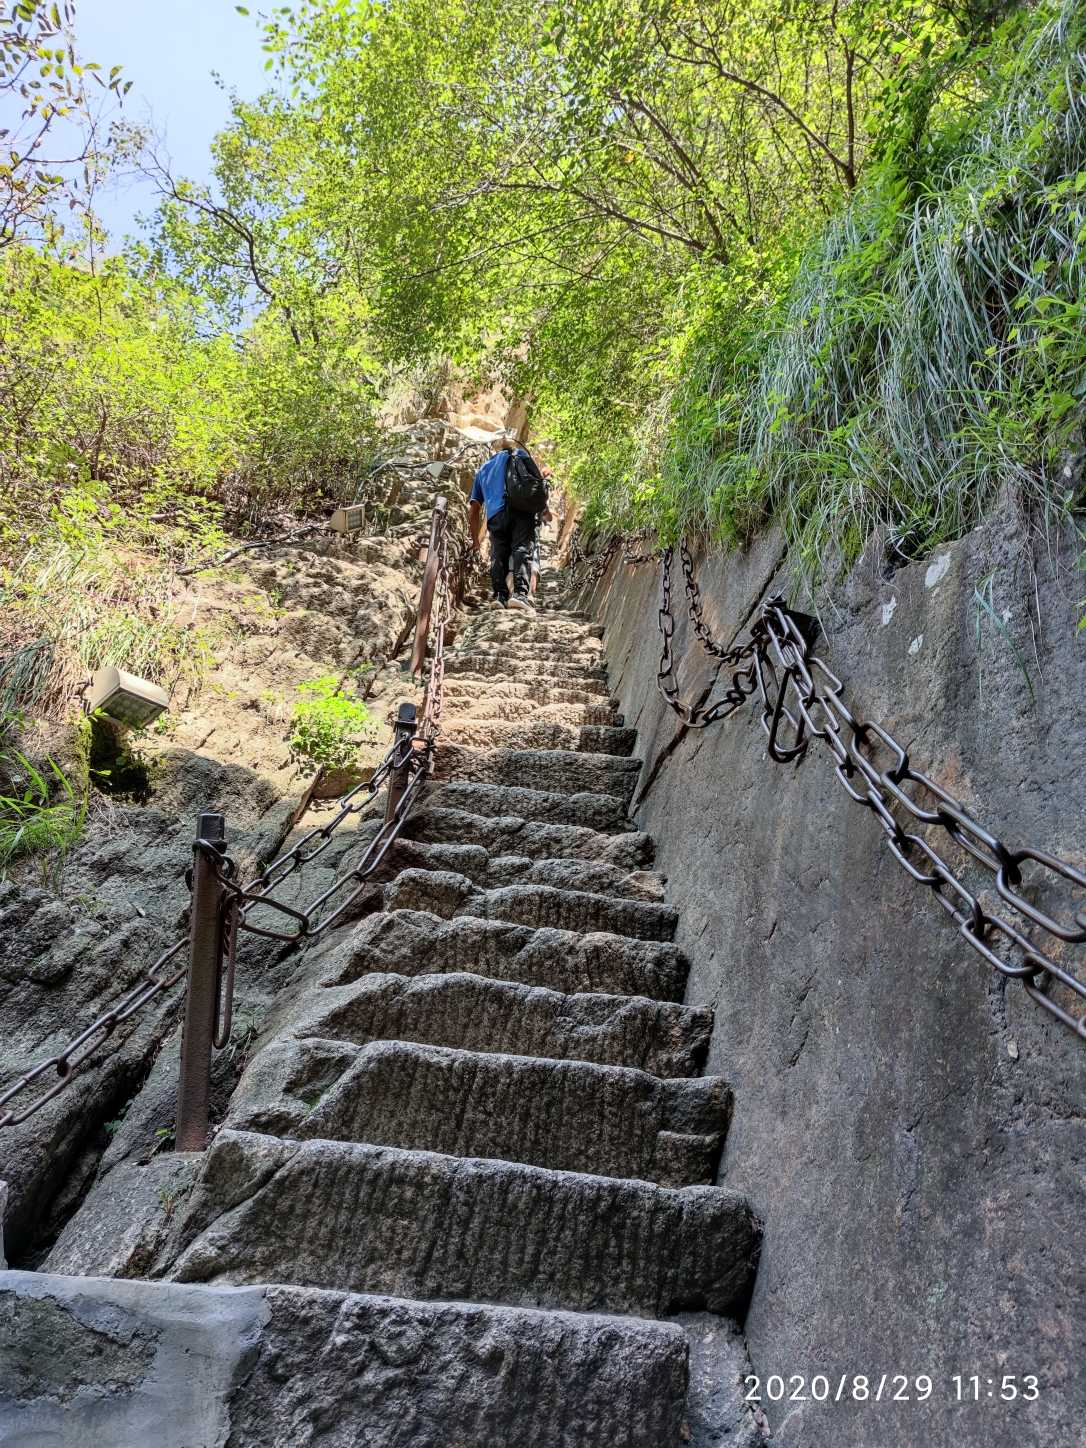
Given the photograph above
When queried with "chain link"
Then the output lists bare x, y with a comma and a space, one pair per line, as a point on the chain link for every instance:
75, 1054
802, 699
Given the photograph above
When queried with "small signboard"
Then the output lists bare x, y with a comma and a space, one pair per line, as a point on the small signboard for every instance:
348, 520
126, 698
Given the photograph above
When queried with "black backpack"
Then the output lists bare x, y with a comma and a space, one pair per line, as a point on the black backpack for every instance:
525, 488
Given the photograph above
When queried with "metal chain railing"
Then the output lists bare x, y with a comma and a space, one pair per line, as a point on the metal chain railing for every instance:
586, 570
802, 699
222, 907
66, 1063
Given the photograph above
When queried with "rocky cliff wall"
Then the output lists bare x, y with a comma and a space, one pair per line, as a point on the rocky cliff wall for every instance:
908, 1124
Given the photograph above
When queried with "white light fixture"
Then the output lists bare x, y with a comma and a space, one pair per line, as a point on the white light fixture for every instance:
348, 520
125, 698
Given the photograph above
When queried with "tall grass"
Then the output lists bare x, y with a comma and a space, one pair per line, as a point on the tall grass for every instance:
81, 594
929, 351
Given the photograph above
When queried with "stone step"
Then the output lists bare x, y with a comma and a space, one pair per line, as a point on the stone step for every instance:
487, 685
540, 734
413, 942
279, 1366
599, 812
480, 1014
490, 872
479, 708
448, 894
554, 771
509, 835
548, 625
499, 654
422, 1225
485, 665
566, 1115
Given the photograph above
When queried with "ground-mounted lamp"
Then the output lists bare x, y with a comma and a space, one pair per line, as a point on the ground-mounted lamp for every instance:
348, 520
125, 698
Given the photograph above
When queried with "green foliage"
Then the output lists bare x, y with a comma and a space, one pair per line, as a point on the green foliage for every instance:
923, 351
42, 81
41, 813
819, 263
329, 725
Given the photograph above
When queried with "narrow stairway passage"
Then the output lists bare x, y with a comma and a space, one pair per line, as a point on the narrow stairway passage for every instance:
491, 1094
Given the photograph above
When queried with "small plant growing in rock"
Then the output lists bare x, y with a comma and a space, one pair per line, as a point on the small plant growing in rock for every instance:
40, 813
329, 724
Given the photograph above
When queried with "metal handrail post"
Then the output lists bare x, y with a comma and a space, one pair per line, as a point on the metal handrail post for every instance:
429, 583
202, 993
404, 730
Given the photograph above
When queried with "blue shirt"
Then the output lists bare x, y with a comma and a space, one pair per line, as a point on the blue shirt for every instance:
489, 485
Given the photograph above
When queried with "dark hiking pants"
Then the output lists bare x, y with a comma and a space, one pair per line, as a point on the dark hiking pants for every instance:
512, 535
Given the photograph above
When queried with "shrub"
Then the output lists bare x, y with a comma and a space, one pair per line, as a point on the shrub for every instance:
329, 725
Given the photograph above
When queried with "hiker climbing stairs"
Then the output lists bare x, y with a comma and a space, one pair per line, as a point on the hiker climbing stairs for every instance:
490, 1093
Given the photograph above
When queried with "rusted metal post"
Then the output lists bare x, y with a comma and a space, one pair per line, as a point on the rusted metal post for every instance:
202, 993
404, 729
429, 583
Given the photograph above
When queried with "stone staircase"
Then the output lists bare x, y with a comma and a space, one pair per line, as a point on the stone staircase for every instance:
490, 1100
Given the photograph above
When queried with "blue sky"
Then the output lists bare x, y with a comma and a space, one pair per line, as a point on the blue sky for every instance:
169, 50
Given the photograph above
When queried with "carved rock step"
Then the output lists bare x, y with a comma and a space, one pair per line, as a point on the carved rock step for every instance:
479, 1014
411, 942
280, 1367
479, 707
602, 813
545, 661
507, 657
556, 771
500, 661
490, 872
567, 1115
489, 686
448, 894
508, 834
540, 734
553, 624
420, 1225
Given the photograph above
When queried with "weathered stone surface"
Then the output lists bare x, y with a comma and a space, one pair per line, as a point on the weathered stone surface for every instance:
509, 834
412, 942
447, 893
95, 1363
479, 1014
123, 1224
557, 672
717, 1413
493, 871
599, 812
540, 734
553, 770
474, 708
484, 689
902, 1112
319, 1213
568, 1115
88, 1363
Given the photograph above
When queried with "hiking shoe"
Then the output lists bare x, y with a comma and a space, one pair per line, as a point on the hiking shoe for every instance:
498, 603
521, 600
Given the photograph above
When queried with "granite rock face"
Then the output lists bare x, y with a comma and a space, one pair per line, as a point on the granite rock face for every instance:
908, 1123
98, 1363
